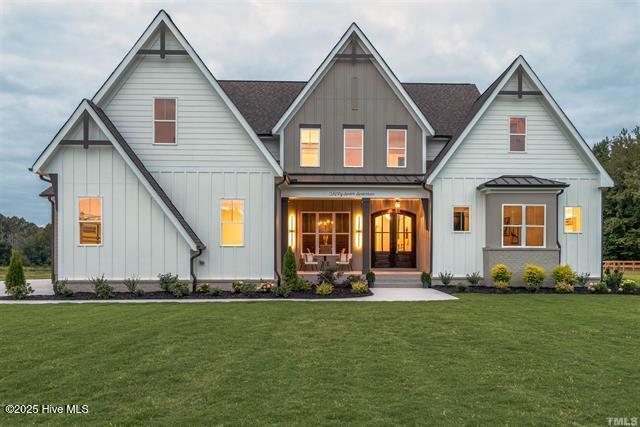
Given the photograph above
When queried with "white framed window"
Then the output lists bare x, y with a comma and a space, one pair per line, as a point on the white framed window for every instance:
396, 148
310, 147
517, 134
231, 222
353, 147
572, 219
461, 219
90, 220
165, 122
523, 226
325, 232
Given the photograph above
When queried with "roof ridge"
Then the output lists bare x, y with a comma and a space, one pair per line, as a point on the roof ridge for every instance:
304, 81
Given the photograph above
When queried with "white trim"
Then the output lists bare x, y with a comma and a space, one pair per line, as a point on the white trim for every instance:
564, 217
523, 226
163, 17
381, 64
319, 129
526, 127
405, 148
222, 245
344, 147
605, 179
317, 232
77, 211
153, 121
453, 207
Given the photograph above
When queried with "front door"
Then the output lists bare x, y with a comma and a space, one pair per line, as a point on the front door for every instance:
393, 237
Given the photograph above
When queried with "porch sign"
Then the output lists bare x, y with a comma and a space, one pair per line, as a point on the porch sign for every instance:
388, 192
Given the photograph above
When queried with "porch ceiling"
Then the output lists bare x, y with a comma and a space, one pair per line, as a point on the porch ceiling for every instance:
360, 179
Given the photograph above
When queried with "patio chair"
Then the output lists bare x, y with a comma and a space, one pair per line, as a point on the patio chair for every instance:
344, 261
308, 260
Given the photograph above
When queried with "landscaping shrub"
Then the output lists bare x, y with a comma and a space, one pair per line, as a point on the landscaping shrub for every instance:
371, 278
461, 286
325, 288
131, 283
563, 288
167, 280
582, 279
283, 290
15, 274
289, 267
139, 292
179, 289
629, 286
533, 276
101, 287
501, 273
613, 279
60, 288
300, 285
242, 287
425, 278
202, 288
264, 287
563, 273
215, 291
329, 275
359, 287
600, 288
19, 291
445, 278
502, 286
474, 278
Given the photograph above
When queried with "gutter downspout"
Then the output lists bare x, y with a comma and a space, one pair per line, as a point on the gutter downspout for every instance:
557, 225
194, 279
429, 189
53, 207
285, 179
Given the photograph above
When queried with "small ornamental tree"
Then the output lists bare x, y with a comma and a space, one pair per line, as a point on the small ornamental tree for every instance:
15, 274
289, 267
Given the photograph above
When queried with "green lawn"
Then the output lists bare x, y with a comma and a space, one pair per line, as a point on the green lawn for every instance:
633, 275
482, 360
30, 272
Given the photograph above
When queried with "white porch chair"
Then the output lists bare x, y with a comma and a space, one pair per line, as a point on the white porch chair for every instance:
344, 261
308, 260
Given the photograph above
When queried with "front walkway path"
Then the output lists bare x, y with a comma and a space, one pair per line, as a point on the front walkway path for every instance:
43, 287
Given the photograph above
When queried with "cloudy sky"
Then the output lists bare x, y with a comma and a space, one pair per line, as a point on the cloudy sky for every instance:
52, 54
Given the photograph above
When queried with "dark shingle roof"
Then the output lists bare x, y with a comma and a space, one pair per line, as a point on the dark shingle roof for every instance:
523, 181
145, 172
262, 103
360, 179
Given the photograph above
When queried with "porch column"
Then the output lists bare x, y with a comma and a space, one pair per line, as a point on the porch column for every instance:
284, 225
366, 235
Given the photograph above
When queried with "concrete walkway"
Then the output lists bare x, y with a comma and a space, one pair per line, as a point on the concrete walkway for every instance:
44, 287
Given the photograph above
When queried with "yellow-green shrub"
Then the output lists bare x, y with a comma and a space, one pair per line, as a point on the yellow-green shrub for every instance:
563, 273
325, 288
501, 273
533, 275
359, 287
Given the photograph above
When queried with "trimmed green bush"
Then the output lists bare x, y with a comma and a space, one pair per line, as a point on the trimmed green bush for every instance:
242, 287
501, 273
533, 276
359, 287
371, 278
167, 280
461, 287
600, 288
202, 288
139, 292
215, 291
445, 278
425, 278
20, 291
300, 285
283, 290
15, 273
101, 287
563, 288
629, 286
325, 288
179, 289
563, 273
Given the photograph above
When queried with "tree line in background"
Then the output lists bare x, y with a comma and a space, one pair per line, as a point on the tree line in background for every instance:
33, 242
619, 155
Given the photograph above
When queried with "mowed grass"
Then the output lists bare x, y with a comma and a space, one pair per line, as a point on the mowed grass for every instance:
633, 275
40, 272
481, 360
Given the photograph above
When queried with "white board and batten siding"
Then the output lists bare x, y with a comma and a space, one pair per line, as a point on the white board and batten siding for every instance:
214, 158
483, 155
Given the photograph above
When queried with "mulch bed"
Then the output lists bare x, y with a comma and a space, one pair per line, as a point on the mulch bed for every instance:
452, 289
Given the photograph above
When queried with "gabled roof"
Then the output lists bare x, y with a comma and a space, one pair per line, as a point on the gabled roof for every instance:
163, 18
384, 69
522, 181
133, 161
481, 105
262, 103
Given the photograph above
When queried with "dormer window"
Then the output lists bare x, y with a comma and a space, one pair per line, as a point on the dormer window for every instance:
310, 146
164, 121
517, 134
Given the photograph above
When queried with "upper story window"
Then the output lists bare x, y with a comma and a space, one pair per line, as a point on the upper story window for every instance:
572, 219
90, 220
396, 148
310, 147
164, 121
231, 222
523, 225
353, 148
517, 134
461, 218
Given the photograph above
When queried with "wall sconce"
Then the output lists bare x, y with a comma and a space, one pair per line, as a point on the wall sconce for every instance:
358, 231
292, 231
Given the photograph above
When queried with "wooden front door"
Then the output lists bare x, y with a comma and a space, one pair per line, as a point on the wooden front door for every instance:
393, 238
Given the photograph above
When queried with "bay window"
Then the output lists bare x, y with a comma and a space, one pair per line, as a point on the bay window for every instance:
326, 232
523, 226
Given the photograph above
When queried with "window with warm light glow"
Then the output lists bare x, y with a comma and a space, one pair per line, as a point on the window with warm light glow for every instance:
461, 218
572, 219
396, 148
310, 147
517, 134
90, 220
164, 121
523, 225
231, 222
353, 148
326, 232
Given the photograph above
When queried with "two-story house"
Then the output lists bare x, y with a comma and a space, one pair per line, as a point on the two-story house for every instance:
166, 169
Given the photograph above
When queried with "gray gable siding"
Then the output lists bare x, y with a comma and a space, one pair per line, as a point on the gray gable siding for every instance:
330, 106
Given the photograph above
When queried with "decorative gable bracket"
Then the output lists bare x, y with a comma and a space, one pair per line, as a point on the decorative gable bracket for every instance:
163, 51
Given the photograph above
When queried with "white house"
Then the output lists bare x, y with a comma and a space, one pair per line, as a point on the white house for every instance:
166, 169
